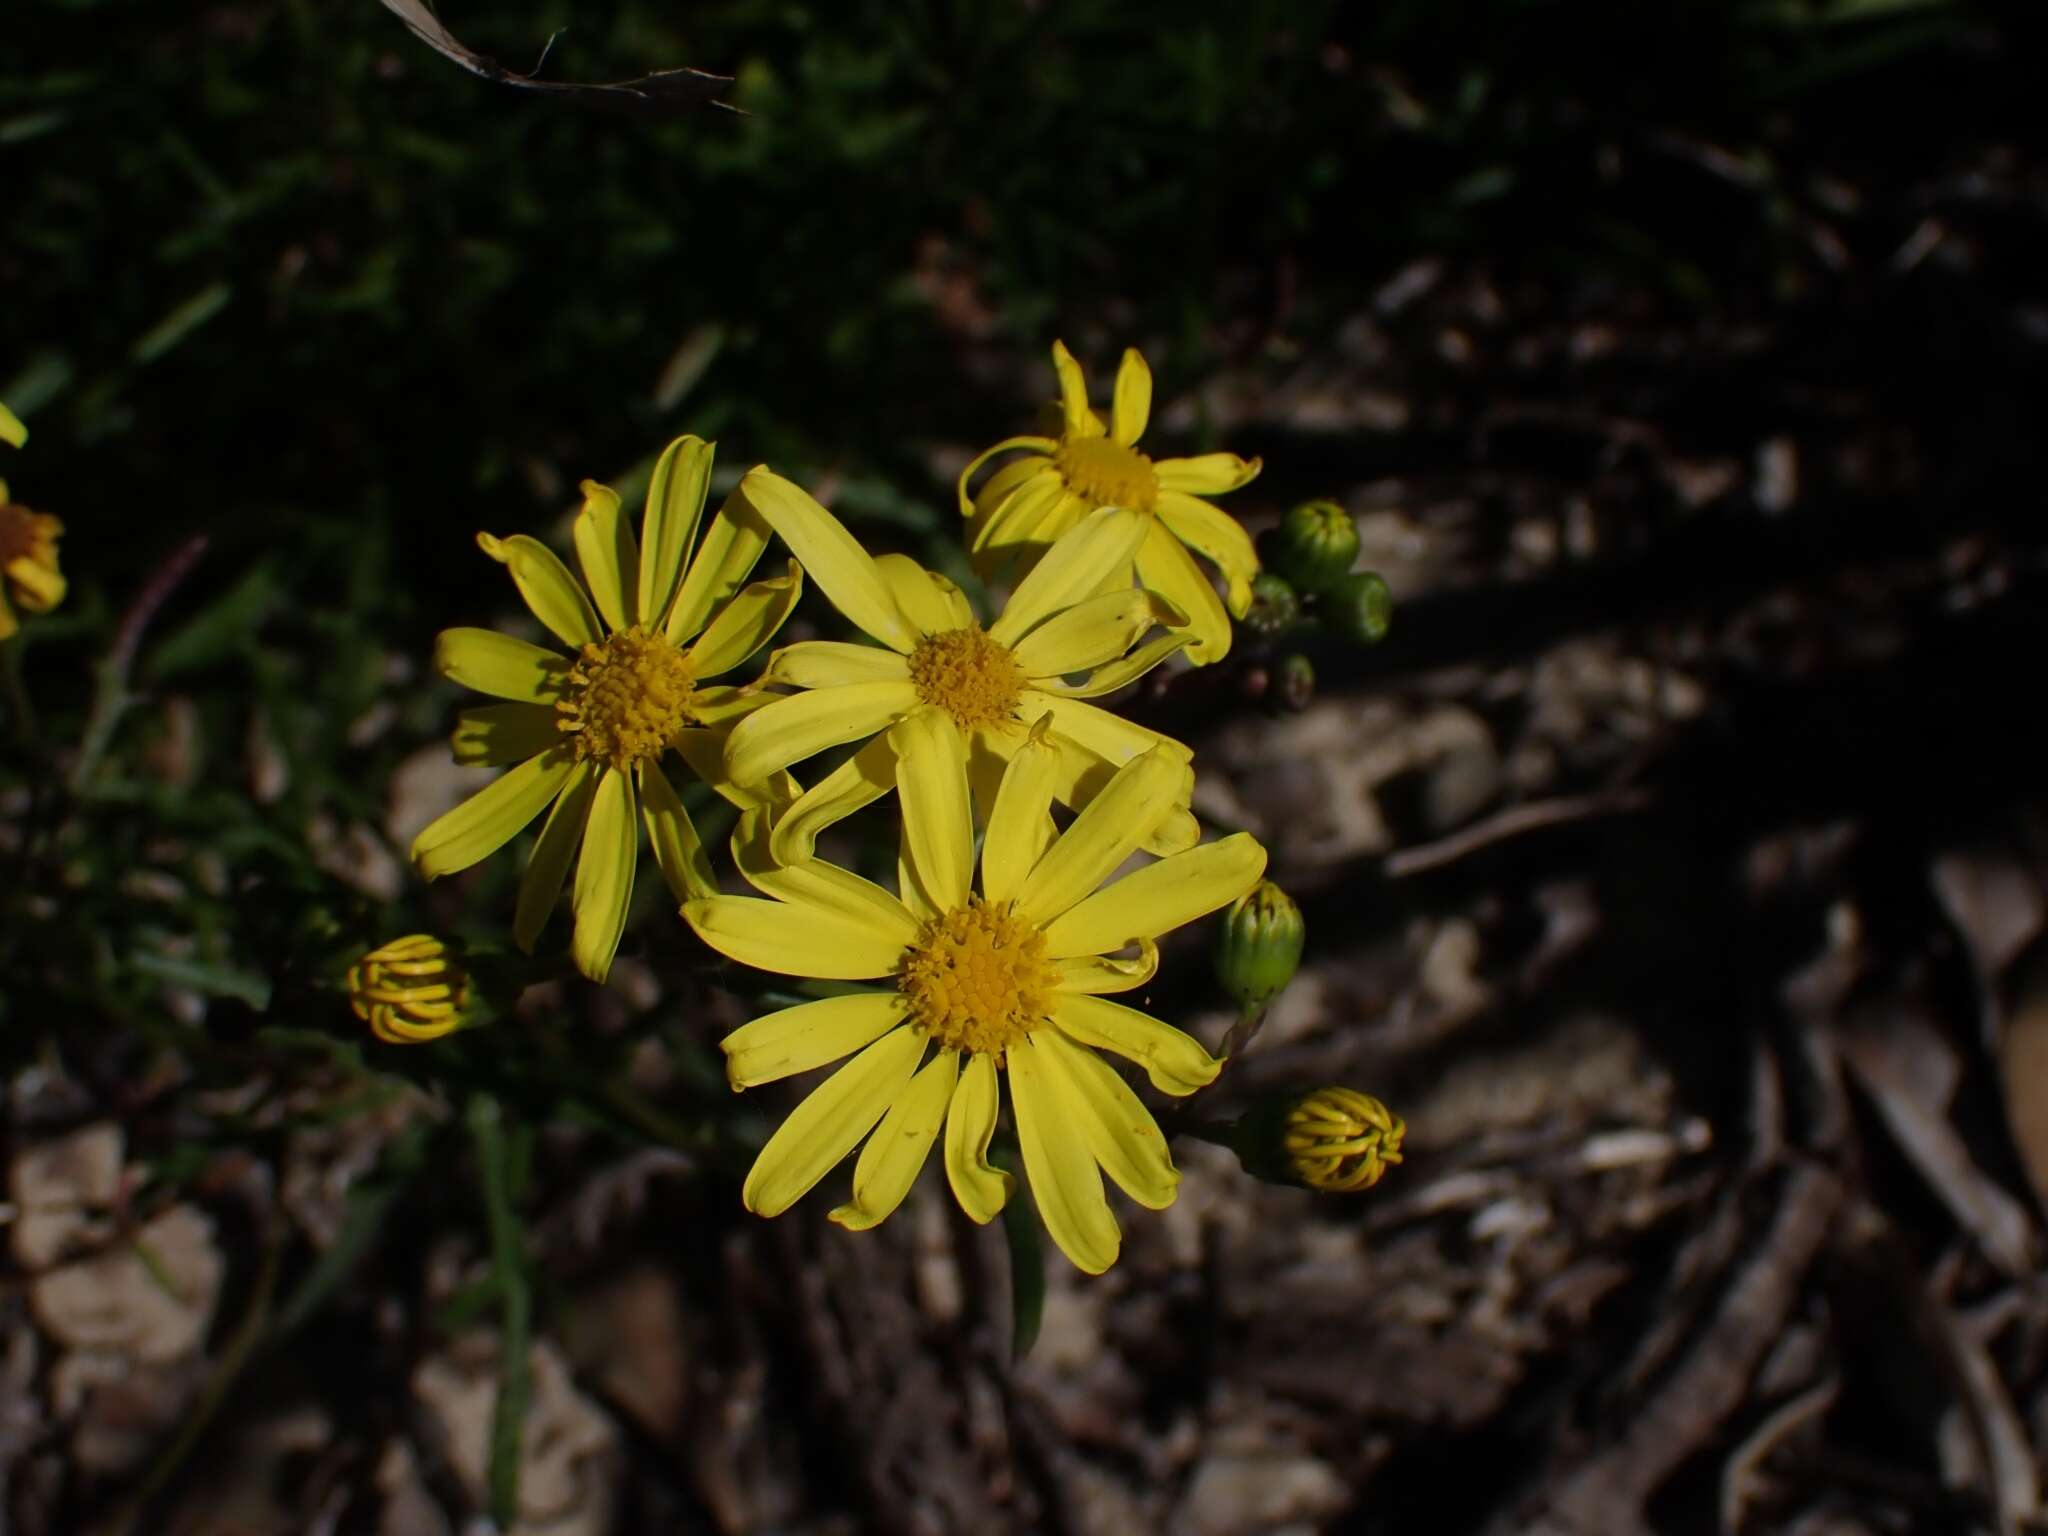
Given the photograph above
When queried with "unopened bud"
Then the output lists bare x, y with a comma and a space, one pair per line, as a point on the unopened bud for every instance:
1340, 1140
1359, 607
1260, 947
1293, 685
1314, 545
412, 989
1275, 606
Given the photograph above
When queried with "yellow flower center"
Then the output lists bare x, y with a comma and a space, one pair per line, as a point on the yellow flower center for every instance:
977, 979
628, 695
971, 677
1106, 473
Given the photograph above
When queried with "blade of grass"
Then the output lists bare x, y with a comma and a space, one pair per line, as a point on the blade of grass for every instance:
499, 1160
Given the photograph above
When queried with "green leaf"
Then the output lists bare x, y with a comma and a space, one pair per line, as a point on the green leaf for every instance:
223, 627
181, 322
1026, 1243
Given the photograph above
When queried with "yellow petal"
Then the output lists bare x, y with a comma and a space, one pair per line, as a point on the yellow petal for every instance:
675, 502
746, 623
1219, 537
814, 887
1159, 898
1094, 631
808, 1036
1206, 474
1020, 827
678, 851
1040, 445
1131, 406
915, 900
1119, 1130
1096, 731
11, 431
766, 935
548, 865
1011, 478
1013, 519
1108, 830
1123, 671
604, 875
491, 817
9, 625
1081, 421
610, 556
1167, 568
1073, 570
1175, 1061
834, 664
931, 782
859, 781
492, 735
805, 724
704, 751
727, 703
1065, 1183
37, 586
726, 556
1106, 973
554, 595
890, 1161
981, 1189
498, 665
931, 603
834, 558
823, 1129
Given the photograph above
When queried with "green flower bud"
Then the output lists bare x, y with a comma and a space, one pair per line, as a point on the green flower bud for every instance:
1359, 607
1314, 545
1275, 607
1260, 947
1293, 685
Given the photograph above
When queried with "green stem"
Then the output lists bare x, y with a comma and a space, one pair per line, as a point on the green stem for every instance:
508, 1260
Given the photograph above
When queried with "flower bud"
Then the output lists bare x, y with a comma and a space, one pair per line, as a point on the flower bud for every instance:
30, 579
1359, 607
1339, 1140
1260, 946
1275, 607
412, 989
1293, 685
1314, 545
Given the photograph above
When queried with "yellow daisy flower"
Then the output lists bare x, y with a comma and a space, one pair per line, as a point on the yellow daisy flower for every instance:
588, 729
1031, 501
935, 660
1007, 979
29, 577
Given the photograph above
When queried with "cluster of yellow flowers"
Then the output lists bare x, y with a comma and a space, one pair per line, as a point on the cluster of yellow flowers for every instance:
1001, 963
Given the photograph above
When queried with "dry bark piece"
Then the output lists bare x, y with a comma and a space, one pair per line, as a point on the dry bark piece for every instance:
152, 1309
568, 1479
57, 1187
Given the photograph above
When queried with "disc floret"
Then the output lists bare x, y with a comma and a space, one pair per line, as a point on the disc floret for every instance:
977, 979
1106, 473
626, 698
971, 677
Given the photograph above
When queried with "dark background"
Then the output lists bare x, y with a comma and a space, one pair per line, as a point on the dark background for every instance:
1674, 866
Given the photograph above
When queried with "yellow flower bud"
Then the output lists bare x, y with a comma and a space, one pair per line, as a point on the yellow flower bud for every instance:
413, 989
1340, 1140
29, 577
